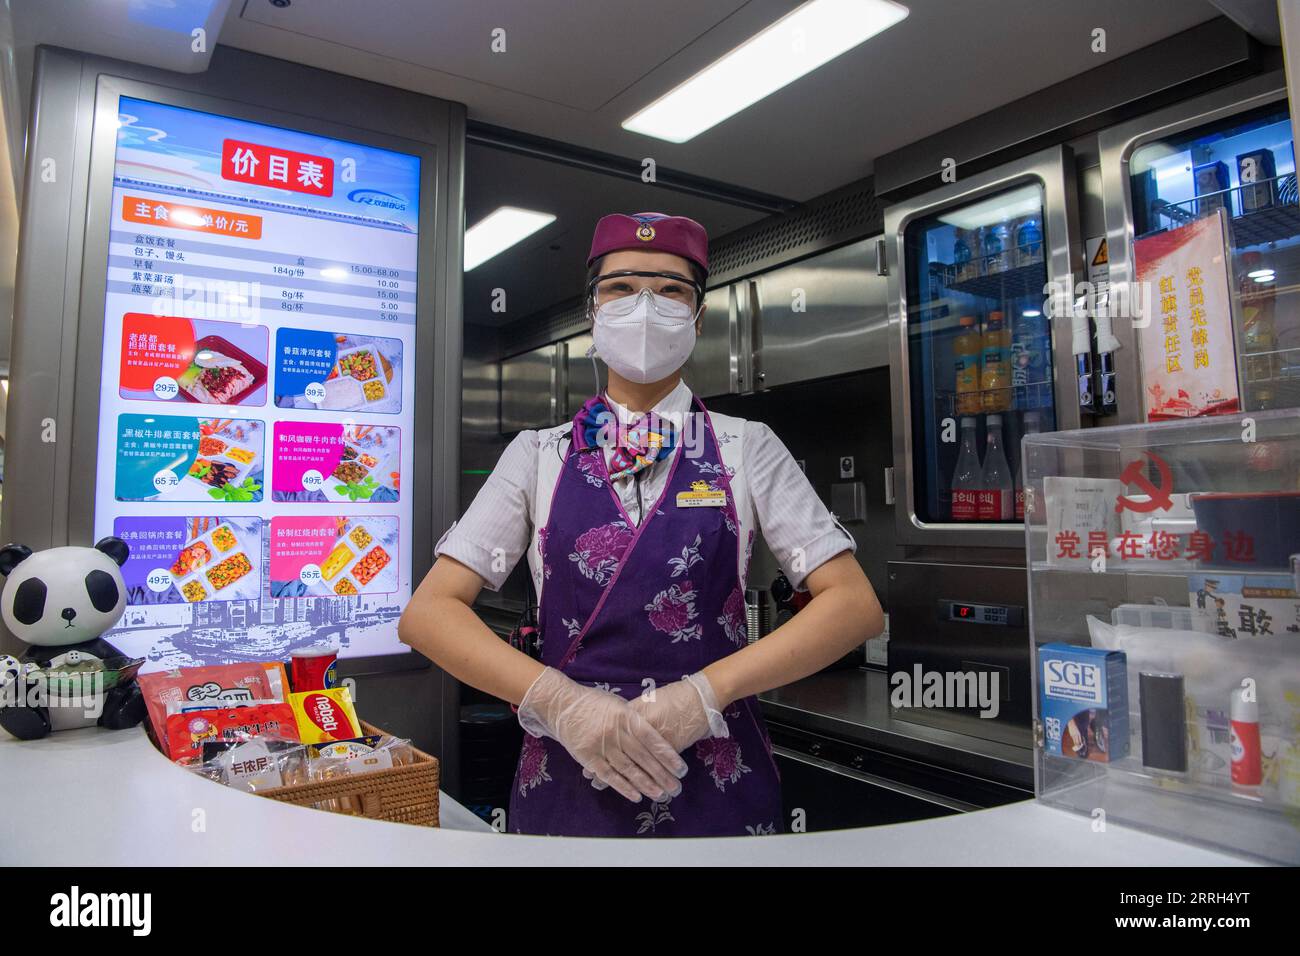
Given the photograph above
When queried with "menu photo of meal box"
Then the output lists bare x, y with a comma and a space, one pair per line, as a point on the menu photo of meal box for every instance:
173, 359
169, 458
176, 560
329, 461
336, 372
343, 555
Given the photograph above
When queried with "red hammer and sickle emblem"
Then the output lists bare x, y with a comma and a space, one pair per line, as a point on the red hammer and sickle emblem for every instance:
1135, 473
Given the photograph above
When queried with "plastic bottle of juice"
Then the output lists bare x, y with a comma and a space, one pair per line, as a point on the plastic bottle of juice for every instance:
966, 351
968, 476
995, 376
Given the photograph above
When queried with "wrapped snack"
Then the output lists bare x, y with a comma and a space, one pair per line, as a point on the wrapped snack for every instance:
325, 715
357, 756
252, 763
219, 684
188, 732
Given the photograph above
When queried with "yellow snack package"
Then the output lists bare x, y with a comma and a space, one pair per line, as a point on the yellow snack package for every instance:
325, 715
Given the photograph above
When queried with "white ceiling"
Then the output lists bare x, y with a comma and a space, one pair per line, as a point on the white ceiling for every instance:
573, 70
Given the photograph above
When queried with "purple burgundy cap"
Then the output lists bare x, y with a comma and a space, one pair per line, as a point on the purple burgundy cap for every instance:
651, 230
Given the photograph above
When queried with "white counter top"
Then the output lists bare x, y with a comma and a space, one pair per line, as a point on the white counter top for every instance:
94, 797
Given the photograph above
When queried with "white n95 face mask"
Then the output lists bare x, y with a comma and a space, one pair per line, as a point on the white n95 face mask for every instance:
644, 337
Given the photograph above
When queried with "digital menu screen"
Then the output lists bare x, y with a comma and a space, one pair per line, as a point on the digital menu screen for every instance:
256, 402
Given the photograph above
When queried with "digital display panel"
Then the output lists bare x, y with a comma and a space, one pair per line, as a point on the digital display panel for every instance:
256, 400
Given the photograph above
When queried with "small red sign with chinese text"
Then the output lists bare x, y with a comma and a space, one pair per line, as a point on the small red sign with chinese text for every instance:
278, 168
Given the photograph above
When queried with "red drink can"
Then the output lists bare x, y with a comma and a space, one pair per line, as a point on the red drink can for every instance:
313, 668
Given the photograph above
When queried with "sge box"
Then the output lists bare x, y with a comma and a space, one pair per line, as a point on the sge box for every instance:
1083, 699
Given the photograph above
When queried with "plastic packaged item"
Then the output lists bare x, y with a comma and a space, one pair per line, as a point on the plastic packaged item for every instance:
216, 684
252, 763
995, 372
966, 351
188, 732
357, 756
967, 477
325, 715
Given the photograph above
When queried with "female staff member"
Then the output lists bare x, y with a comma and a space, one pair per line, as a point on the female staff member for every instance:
638, 521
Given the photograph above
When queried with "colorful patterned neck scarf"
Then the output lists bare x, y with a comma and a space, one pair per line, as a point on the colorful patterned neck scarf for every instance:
637, 445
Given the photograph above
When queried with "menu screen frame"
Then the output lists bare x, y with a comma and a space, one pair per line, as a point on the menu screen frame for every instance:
417, 486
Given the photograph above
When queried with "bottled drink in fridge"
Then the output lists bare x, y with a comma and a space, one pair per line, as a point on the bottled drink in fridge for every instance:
997, 248
1029, 361
1033, 425
996, 500
1029, 241
995, 375
968, 476
963, 256
966, 351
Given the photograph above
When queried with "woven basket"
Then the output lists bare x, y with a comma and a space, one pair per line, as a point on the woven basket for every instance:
407, 794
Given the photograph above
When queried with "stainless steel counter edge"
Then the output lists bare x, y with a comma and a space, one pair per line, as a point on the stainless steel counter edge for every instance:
94, 797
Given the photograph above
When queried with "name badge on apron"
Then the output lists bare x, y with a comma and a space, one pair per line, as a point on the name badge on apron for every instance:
701, 496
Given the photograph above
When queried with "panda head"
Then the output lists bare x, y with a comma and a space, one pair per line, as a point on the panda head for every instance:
63, 595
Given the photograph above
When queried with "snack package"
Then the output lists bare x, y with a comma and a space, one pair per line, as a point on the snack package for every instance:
253, 764
325, 715
187, 733
218, 683
360, 755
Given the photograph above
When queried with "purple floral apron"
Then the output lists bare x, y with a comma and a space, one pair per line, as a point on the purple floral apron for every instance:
623, 604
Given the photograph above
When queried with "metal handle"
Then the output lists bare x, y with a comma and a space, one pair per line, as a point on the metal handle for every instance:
882, 257
559, 360
754, 328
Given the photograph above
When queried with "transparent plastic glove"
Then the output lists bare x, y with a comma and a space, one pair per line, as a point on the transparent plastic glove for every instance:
611, 741
684, 712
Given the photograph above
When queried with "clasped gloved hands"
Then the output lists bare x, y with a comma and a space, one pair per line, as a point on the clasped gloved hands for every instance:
683, 712
600, 730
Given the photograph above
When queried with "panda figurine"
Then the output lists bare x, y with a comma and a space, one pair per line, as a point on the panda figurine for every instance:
59, 602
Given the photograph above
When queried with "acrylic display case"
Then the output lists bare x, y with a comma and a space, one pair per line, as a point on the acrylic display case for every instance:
1177, 544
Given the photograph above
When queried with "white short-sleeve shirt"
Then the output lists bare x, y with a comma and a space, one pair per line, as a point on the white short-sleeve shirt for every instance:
772, 494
